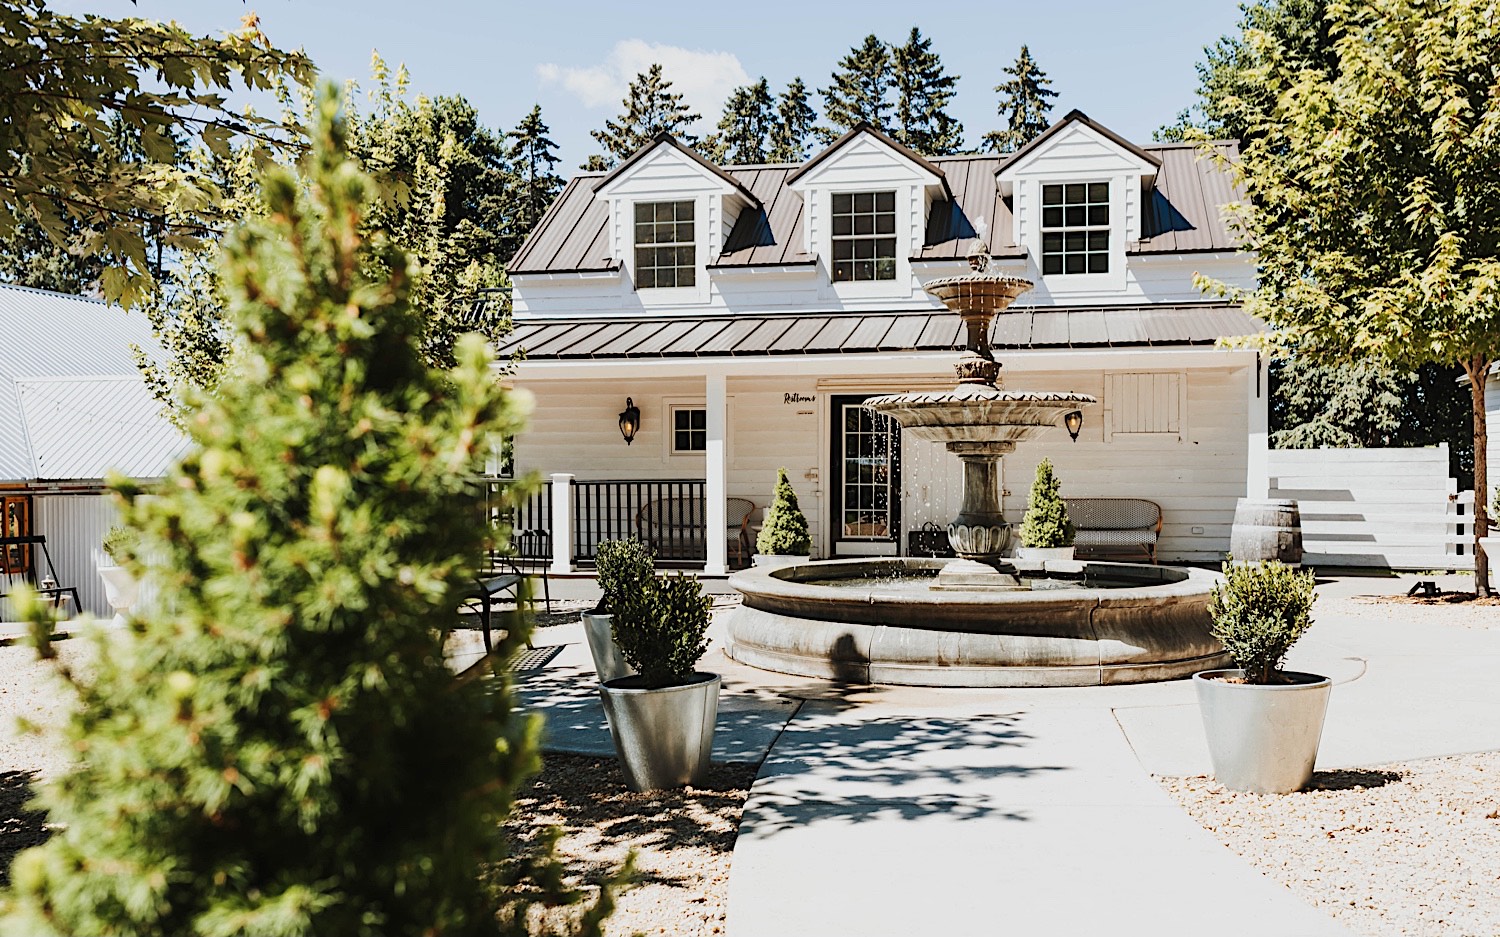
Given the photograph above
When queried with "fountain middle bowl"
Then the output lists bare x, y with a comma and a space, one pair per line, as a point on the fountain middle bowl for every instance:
1079, 624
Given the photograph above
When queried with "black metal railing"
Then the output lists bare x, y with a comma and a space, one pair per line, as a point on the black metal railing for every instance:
669, 515
530, 521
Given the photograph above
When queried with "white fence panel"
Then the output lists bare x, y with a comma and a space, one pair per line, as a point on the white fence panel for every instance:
1392, 508
74, 526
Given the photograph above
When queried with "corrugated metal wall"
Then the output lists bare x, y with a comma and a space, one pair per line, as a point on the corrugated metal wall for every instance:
74, 526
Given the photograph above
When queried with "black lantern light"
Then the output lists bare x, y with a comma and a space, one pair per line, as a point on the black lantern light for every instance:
1073, 420
630, 420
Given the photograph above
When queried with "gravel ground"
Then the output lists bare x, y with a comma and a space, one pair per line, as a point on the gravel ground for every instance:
1410, 849
682, 839
1460, 609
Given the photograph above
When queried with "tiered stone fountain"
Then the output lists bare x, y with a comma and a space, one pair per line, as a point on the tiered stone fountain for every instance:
977, 620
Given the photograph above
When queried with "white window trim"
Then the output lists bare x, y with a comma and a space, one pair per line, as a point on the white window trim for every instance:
669, 436
901, 284
1109, 228
698, 262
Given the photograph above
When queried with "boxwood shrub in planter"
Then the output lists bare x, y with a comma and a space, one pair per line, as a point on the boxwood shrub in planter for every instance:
784, 539
121, 588
1046, 531
1263, 723
662, 719
624, 568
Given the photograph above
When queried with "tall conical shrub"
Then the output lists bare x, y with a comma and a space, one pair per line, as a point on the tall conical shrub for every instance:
1046, 524
785, 531
277, 746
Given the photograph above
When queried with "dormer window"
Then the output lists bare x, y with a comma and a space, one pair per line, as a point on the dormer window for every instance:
864, 236
1075, 228
664, 252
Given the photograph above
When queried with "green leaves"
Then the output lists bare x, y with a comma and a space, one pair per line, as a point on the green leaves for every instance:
1259, 612
662, 629
1046, 524
785, 531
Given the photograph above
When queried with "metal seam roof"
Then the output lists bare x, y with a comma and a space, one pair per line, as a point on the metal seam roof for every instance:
843, 333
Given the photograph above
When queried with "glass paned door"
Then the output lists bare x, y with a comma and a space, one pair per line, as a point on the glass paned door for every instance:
866, 461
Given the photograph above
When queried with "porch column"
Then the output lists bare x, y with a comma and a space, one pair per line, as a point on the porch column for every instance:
1258, 439
562, 523
715, 467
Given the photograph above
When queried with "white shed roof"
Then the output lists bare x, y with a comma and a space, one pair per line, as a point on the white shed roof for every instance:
73, 404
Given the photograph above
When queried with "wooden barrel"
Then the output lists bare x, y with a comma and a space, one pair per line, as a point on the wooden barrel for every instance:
1266, 530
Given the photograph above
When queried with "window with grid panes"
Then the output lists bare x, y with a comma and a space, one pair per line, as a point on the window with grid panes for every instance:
1075, 228
864, 236
664, 253
689, 429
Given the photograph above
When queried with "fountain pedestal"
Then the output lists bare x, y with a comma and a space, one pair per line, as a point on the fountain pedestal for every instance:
980, 534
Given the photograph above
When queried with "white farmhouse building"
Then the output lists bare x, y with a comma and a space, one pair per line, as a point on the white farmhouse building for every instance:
746, 311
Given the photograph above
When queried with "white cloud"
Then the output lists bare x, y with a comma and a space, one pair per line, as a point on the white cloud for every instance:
704, 78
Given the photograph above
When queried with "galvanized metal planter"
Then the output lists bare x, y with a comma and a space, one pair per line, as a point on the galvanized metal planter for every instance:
608, 662
121, 590
1263, 739
663, 737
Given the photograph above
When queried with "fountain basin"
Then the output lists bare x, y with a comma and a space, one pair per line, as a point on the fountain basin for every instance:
873, 621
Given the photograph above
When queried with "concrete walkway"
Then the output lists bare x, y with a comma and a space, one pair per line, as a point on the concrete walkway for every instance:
901, 811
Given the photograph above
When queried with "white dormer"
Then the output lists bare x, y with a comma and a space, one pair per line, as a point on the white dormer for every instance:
1076, 202
669, 214
865, 202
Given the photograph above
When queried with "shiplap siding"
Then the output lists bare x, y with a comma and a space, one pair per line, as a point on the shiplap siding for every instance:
1196, 477
1386, 508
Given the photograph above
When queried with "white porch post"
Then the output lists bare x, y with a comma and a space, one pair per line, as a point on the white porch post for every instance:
715, 467
1258, 459
562, 523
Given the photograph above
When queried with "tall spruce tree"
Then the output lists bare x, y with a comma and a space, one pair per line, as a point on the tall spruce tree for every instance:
859, 90
795, 119
1025, 101
532, 158
744, 134
651, 107
923, 93
276, 745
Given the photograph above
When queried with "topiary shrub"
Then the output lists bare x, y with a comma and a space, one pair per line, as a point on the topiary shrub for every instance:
120, 543
1046, 524
286, 751
624, 567
785, 532
1259, 612
662, 629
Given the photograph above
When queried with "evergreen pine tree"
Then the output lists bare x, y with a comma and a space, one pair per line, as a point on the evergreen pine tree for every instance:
785, 532
532, 158
1046, 524
1025, 101
745, 129
651, 107
859, 90
285, 752
923, 92
794, 124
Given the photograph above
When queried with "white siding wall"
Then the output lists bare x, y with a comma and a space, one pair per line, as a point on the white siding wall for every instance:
74, 526
1386, 508
1196, 478
1492, 411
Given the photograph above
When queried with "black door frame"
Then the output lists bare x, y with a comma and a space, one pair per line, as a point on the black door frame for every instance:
836, 540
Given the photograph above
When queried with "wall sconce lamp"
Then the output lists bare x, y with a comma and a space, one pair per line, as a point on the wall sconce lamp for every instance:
1073, 420
630, 420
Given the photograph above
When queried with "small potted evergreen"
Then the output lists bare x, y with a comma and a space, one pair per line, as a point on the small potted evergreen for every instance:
784, 538
1046, 531
624, 567
662, 719
1263, 723
121, 589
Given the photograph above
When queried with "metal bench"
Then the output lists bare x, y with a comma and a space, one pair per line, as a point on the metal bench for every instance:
503, 579
19, 564
1115, 525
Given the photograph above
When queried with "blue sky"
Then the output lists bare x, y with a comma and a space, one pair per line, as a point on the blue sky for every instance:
1129, 66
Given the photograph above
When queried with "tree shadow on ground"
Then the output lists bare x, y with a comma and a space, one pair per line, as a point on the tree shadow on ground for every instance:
20, 828
1349, 779
601, 819
896, 766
